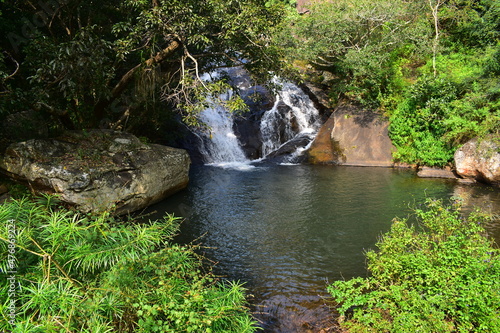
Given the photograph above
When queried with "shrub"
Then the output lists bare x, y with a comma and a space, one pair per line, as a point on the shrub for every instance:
417, 124
438, 114
75, 273
442, 275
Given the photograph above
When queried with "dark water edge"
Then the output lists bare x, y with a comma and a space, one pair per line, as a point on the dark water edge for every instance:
287, 231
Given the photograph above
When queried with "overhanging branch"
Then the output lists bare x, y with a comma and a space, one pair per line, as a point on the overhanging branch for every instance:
130, 76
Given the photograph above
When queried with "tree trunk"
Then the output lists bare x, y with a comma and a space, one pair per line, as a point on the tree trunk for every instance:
435, 44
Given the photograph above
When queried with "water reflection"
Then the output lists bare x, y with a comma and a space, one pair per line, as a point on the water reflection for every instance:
288, 231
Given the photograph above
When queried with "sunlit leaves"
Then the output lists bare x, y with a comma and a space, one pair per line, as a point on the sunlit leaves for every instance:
356, 41
441, 275
95, 274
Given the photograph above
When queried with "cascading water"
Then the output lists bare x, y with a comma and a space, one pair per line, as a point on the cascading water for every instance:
220, 144
293, 117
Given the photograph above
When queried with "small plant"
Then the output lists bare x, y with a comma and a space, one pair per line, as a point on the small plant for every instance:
68, 272
442, 275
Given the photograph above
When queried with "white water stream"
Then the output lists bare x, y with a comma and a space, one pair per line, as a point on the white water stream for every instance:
292, 115
220, 144
301, 117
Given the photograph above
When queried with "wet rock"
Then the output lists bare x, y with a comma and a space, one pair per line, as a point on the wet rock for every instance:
99, 170
466, 181
324, 150
480, 160
429, 172
286, 151
247, 129
352, 136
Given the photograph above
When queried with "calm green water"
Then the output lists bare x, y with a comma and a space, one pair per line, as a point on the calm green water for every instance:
288, 231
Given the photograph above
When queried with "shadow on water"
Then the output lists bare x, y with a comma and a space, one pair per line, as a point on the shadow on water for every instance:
289, 231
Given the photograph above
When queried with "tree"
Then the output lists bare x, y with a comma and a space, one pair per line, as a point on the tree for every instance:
87, 61
434, 5
357, 43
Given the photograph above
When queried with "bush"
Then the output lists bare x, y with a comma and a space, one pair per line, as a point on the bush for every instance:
417, 124
72, 273
442, 275
438, 114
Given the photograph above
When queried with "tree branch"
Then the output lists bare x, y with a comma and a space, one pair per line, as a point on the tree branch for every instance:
130, 76
17, 66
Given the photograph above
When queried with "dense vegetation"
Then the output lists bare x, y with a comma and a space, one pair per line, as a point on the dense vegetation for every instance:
132, 65
431, 66
439, 275
68, 272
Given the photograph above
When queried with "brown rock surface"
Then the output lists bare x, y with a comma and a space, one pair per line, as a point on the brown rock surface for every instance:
352, 137
480, 160
428, 172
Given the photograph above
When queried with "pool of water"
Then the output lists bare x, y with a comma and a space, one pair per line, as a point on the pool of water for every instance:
287, 231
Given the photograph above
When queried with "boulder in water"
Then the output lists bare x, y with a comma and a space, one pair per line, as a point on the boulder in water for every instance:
480, 160
99, 170
287, 152
430, 172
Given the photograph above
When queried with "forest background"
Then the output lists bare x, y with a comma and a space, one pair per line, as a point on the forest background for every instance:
431, 66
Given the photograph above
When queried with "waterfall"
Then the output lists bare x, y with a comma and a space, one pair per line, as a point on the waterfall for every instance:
219, 142
284, 129
293, 116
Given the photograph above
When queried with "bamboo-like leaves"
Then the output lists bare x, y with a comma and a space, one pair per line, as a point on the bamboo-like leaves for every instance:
76, 273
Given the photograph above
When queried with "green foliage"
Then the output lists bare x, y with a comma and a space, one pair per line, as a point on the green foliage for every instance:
437, 114
98, 64
204, 94
441, 275
380, 54
471, 23
77, 273
357, 42
288, 3
417, 127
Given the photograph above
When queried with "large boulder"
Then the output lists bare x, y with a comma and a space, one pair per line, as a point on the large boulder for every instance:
99, 170
352, 137
287, 153
479, 160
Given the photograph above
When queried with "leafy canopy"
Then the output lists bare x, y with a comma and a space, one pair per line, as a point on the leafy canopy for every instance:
94, 62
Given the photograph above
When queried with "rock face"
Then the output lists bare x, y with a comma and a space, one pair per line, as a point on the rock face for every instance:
285, 153
99, 170
480, 160
352, 137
